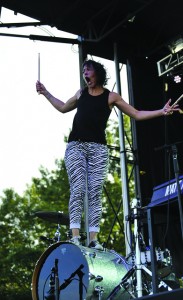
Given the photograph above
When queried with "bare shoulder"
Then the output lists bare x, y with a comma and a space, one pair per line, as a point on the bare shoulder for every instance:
114, 98
72, 102
78, 93
76, 96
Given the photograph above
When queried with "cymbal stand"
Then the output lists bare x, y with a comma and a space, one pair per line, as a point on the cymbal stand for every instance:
137, 248
138, 267
57, 233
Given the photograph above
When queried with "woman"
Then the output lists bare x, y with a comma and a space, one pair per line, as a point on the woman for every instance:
86, 154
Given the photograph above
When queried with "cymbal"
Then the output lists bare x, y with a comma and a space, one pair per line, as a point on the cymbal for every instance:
54, 217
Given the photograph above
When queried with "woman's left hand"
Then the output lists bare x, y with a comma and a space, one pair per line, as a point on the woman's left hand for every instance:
168, 110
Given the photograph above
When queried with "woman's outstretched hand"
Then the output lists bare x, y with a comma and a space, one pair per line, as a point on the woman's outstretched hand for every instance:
169, 109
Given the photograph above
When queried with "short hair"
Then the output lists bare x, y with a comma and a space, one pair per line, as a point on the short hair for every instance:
99, 69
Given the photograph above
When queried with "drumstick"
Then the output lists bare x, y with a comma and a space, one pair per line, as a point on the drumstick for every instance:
177, 101
39, 69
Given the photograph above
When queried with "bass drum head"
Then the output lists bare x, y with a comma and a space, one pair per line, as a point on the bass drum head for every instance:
82, 272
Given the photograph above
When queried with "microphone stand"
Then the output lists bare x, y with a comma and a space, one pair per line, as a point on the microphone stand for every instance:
80, 275
176, 171
68, 280
57, 291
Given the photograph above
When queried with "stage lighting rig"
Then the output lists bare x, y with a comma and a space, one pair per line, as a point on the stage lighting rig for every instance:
174, 60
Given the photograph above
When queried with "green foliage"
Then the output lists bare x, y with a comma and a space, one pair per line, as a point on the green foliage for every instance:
21, 246
21, 229
18, 252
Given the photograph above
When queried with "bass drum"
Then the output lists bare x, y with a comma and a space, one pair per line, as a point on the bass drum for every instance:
83, 273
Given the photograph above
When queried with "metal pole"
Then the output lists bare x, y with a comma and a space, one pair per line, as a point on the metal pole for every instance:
124, 177
134, 136
137, 248
81, 60
176, 171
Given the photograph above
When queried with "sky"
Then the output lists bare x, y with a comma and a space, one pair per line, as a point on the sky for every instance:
31, 130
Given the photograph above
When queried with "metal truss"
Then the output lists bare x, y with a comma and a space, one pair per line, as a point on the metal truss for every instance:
170, 63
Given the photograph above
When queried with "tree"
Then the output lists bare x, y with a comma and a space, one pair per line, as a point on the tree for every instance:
18, 253
21, 229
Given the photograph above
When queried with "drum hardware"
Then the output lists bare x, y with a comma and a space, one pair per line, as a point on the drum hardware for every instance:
139, 245
57, 234
121, 277
46, 239
91, 276
137, 268
138, 253
54, 217
123, 284
119, 259
164, 260
93, 254
99, 291
57, 237
97, 278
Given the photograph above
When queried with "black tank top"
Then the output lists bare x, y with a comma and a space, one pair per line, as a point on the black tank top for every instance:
91, 118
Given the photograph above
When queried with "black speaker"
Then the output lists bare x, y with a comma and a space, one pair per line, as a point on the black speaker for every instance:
170, 295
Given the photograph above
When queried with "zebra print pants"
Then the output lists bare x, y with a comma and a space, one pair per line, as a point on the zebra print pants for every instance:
86, 160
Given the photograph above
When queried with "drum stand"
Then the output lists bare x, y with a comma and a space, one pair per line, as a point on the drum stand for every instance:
57, 236
138, 268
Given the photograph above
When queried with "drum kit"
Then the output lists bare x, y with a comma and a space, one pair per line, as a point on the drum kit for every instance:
70, 272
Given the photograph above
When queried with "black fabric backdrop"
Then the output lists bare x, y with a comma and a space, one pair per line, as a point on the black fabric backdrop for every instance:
155, 160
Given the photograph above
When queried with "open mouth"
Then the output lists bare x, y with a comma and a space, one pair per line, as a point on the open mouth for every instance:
87, 80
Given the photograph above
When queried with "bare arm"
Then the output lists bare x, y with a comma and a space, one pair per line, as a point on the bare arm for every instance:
61, 106
116, 100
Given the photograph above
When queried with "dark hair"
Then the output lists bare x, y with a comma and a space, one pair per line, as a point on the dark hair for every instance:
99, 69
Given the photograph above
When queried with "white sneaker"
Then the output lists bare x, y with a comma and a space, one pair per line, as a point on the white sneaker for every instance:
95, 245
75, 240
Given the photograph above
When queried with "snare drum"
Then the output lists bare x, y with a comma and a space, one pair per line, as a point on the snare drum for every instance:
81, 271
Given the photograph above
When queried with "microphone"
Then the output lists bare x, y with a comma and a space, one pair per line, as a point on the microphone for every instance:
50, 295
68, 281
65, 284
77, 270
